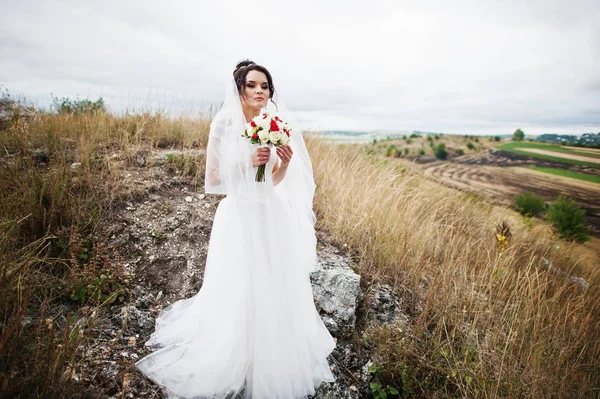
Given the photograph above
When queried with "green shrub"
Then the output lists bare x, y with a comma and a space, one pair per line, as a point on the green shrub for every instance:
496, 138
470, 146
440, 151
529, 204
406, 150
568, 219
391, 151
408, 141
460, 151
421, 151
477, 139
67, 106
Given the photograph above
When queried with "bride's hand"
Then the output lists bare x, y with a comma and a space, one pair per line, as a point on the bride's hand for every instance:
285, 153
261, 156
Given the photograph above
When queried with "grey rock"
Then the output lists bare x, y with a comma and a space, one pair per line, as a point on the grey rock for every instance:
173, 222
580, 281
10, 110
136, 319
384, 306
41, 155
336, 290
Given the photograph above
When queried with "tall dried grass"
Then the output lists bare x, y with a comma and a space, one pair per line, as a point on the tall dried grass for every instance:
485, 322
58, 176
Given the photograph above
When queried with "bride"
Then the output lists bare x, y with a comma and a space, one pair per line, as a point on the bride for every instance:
252, 330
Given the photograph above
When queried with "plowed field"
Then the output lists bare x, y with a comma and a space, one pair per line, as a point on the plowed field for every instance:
501, 184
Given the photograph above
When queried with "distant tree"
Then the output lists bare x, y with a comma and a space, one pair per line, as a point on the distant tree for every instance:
518, 135
496, 138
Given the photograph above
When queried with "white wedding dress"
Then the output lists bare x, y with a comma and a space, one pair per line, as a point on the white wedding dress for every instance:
252, 330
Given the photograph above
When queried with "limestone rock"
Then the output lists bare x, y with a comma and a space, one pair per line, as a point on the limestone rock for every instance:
10, 110
384, 306
337, 293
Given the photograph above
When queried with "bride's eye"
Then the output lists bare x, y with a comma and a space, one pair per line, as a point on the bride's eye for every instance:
250, 85
265, 87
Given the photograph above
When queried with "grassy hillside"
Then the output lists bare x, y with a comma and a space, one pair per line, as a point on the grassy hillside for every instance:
488, 321
568, 173
514, 148
487, 318
57, 179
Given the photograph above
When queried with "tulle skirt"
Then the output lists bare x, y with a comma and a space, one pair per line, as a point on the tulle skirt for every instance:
252, 330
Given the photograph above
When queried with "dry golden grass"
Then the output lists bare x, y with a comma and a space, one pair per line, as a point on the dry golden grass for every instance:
49, 211
486, 323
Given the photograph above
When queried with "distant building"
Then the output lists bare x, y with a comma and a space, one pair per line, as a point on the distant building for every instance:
590, 138
586, 138
557, 138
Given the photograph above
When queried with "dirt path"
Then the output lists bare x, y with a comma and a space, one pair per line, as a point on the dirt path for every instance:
593, 151
560, 154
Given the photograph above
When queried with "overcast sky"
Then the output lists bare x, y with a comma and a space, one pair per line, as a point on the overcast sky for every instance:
454, 67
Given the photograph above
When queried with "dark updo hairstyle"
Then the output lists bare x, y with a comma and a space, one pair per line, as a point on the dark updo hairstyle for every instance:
241, 71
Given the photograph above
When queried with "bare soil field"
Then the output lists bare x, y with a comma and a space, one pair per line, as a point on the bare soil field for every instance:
500, 178
593, 151
560, 154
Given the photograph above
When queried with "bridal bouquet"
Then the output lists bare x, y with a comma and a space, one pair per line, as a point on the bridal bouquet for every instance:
265, 130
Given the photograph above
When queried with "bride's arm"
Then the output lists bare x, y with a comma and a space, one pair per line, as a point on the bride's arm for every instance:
285, 153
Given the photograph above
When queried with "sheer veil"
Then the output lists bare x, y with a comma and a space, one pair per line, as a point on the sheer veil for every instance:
229, 168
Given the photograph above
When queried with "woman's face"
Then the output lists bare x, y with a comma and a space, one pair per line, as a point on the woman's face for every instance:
256, 90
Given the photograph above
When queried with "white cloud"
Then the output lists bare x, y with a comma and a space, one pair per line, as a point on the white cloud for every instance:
468, 67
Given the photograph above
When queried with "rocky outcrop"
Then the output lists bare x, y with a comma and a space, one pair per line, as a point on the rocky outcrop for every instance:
337, 293
11, 110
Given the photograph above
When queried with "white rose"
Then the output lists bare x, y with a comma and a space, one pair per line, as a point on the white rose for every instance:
265, 123
263, 135
274, 137
284, 139
257, 120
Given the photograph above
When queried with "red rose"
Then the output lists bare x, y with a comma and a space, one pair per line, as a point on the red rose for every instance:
286, 132
255, 136
252, 124
274, 126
